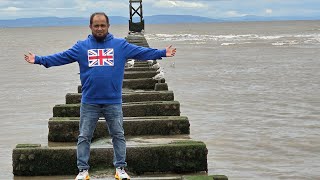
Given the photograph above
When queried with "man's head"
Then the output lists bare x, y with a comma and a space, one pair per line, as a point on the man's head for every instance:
99, 25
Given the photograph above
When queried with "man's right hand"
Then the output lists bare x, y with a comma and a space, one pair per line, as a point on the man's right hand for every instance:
30, 57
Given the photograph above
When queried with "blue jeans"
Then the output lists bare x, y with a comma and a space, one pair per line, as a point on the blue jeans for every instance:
89, 115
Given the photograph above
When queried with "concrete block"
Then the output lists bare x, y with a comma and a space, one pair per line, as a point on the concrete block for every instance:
205, 177
138, 96
178, 157
134, 109
139, 69
142, 83
67, 129
161, 87
139, 74
145, 83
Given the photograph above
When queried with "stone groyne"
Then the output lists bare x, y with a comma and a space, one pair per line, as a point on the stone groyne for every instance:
157, 136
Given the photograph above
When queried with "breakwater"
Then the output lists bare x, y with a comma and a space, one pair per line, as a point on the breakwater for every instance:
153, 125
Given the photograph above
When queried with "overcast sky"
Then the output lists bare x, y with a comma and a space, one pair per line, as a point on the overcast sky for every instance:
12, 9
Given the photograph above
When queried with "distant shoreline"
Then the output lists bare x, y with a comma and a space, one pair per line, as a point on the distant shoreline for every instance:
157, 19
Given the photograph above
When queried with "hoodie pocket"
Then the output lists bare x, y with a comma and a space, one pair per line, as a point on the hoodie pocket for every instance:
101, 87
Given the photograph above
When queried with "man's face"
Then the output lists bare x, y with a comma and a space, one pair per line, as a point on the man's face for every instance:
99, 27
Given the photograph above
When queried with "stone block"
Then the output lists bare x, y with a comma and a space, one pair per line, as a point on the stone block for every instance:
134, 109
139, 69
139, 74
140, 64
177, 157
67, 129
205, 177
142, 83
161, 87
139, 96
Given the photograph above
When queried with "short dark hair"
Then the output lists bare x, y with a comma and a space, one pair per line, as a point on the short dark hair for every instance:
98, 13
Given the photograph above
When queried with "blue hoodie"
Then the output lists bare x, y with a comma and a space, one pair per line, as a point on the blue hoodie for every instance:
101, 66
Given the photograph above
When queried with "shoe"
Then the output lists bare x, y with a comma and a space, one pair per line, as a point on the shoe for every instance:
121, 174
83, 175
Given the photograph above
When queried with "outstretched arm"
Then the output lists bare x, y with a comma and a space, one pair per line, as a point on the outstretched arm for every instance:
30, 57
58, 59
142, 53
170, 51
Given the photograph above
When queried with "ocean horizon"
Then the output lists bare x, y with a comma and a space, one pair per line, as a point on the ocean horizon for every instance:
155, 19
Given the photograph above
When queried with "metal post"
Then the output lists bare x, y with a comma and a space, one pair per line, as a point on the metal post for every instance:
135, 8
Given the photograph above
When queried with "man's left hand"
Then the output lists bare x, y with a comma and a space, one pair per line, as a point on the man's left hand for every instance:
170, 51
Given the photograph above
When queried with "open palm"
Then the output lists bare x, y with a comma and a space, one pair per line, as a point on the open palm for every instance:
30, 57
170, 51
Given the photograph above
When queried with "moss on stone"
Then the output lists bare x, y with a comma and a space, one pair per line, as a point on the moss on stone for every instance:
133, 109
197, 178
183, 142
161, 87
141, 83
139, 74
65, 130
205, 177
28, 145
177, 158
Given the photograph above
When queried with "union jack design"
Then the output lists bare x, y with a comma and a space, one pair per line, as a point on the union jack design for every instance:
101, 57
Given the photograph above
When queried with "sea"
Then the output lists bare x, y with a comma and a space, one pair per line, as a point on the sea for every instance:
251, 91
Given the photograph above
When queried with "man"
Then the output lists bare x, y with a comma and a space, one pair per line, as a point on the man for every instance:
101, 59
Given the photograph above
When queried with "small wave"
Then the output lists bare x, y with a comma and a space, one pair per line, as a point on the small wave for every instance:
278, 43
285, 43
194, 37
270, 37
197, 42
227, 44
231, 39
317, 39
